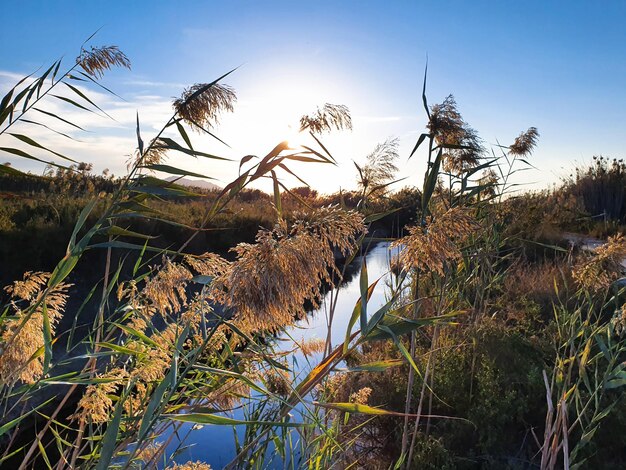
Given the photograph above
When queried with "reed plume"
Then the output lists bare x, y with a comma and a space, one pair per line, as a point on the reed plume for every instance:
329, 117
599, 271
96, 405
149, 452
22, 336
99, 59
269, 283
381, 164
438, 242
462, 148
361, 396
525, 143
312, 346
165, 292
200, 105
190, 466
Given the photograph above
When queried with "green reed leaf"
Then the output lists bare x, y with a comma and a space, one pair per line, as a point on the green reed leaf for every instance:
207, 418
170, 144
356, 313
377, 366
82, 218
175, 171
116, 231
21, 153
419, 142
139, 139
83, 96
363, 286
47, 338
29, 141
109, 440
431, 182
47, 113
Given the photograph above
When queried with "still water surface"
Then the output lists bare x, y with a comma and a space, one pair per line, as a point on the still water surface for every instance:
215, 444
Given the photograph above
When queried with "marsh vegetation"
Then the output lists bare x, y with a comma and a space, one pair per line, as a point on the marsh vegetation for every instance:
139, 310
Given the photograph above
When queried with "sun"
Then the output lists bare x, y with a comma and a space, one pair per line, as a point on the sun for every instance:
297, 139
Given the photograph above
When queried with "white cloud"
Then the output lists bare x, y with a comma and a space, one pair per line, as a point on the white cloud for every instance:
375, 119
150, 83
11, 76
260, 121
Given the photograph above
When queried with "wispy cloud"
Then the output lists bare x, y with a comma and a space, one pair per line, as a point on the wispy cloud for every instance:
372, 119
150, 83
12, 76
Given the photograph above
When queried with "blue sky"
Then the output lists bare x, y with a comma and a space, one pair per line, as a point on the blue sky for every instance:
559, 66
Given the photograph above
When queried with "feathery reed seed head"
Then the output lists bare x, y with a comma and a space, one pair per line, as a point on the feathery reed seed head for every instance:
381, 164
200, 105
599, 271
148, 453
312, 346
228, 395
96, 406
190, 466
99, 59
619, 321
22, 337
432, 247
165, 292
361, 397
525, 142
278, 382
329, 117
448, 128
271, 280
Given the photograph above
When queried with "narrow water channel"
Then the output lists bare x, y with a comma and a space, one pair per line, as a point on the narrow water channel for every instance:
215, 444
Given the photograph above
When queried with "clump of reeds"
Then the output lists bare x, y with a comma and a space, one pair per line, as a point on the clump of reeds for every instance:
163, 354
268, 285
598, 271
430, 248
601, 186
35, 313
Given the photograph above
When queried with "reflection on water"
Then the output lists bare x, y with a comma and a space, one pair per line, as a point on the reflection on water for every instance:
586, 243
215, 444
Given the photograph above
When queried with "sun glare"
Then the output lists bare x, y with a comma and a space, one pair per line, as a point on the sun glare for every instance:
296, 139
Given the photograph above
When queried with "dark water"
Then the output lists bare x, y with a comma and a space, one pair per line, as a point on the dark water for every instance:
215, 444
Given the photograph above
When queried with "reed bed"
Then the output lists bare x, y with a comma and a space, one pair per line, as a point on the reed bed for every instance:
455, 369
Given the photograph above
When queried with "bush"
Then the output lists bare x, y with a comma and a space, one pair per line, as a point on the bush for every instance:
601, 187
